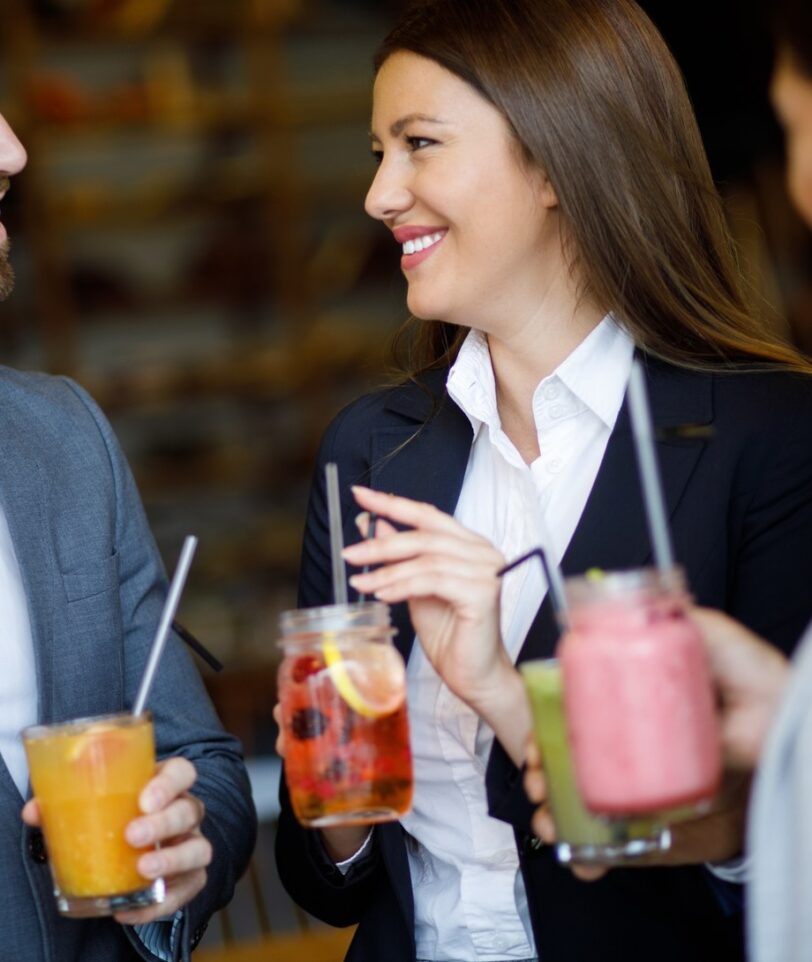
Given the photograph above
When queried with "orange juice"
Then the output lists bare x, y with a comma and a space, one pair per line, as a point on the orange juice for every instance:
87, 776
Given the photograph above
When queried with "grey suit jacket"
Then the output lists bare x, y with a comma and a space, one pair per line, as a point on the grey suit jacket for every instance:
780, 828
95, 586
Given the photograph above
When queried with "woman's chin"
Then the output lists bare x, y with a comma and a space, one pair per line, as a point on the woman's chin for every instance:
426, 310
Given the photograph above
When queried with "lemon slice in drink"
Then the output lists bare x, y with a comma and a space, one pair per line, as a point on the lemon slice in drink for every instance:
370, 678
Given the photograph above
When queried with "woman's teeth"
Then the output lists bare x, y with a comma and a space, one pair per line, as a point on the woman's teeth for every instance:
421, 243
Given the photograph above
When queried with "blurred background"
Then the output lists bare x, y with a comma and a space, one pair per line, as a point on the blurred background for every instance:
190, 245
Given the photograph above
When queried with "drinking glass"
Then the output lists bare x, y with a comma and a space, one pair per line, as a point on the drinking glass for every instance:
581, 837
86, 776
342, 691
638, 696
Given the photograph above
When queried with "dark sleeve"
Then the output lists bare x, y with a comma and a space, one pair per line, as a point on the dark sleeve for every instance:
307, 874
770, 577
185, 721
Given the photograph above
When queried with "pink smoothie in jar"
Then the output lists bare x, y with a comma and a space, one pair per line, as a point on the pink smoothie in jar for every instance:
638, 695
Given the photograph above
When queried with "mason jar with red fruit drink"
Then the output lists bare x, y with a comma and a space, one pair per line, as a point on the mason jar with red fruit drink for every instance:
342, 691
638, 695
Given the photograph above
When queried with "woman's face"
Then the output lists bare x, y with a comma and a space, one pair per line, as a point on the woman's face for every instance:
792, 98
478, 227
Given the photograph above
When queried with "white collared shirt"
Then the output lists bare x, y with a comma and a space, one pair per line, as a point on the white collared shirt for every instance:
469, 894
18, 679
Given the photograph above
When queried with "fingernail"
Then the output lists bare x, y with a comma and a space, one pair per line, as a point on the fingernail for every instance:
151, 866
362, 521
138, 834
354, 581
153, 801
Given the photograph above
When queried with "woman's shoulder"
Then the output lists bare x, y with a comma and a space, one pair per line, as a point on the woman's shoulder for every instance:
778, 402
412, 400
745, 397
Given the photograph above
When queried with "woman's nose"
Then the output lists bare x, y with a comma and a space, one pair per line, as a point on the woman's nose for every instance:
12, 153
389, 194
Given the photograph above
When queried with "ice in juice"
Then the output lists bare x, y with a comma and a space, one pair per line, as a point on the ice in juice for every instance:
86, 777
638, 697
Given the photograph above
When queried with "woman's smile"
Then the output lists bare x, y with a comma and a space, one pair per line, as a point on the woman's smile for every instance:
418, 244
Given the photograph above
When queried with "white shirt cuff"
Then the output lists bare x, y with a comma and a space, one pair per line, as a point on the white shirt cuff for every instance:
345, 865
736, 869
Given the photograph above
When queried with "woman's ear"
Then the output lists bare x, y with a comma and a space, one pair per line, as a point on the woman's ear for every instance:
546, 191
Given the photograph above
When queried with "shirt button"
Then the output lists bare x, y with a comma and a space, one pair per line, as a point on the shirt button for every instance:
550, 392
556, 410
36, 847
554, 466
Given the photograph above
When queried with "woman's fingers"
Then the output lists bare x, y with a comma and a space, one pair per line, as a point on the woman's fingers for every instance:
543, 824
419, 580
384, 549
415, 514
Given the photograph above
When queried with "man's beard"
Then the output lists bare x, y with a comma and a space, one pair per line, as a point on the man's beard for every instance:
6, 271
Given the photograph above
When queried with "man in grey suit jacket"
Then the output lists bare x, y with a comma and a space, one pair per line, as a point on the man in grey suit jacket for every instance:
81, 590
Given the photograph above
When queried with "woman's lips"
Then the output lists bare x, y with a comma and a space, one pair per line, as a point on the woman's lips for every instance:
418, 244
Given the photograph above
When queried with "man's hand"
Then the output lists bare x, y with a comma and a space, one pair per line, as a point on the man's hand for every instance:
750, 676
171, 817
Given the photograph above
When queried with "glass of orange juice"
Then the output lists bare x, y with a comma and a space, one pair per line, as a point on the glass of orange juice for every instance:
87, 776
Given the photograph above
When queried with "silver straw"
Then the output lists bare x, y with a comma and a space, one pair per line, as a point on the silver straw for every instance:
168, 613
649, 474
336, 539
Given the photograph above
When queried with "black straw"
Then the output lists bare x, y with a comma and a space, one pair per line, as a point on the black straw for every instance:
198, 647
557, 599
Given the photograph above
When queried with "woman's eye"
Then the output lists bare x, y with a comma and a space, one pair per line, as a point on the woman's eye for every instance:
417, 143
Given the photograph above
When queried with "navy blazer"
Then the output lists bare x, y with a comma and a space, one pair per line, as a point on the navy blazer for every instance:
740, 507
95, 586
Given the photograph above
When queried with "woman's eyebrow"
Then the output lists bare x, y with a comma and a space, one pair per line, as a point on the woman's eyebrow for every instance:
400, 125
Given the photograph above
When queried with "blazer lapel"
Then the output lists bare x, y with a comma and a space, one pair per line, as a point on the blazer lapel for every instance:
612, 533
425, 460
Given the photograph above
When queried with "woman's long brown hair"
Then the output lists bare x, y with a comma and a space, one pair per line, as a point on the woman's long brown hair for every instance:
595, 99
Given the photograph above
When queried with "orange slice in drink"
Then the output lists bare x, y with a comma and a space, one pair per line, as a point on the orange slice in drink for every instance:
98, 748
370, 678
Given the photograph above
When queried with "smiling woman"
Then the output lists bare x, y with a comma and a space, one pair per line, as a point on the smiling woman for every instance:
541, 168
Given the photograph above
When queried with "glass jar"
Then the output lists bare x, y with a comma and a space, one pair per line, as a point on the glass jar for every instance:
638, 695
342, 690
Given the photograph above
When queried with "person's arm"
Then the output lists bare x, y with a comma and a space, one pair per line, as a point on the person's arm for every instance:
186, 726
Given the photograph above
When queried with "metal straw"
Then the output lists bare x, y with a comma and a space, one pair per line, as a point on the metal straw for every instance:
336, 539
555, 582
372, 523
647, 465
168, 613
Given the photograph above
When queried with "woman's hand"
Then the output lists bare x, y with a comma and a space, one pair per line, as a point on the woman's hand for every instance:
172, 817
448, 575
714, 837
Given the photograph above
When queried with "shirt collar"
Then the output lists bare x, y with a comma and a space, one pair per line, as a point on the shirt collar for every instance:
596, 372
